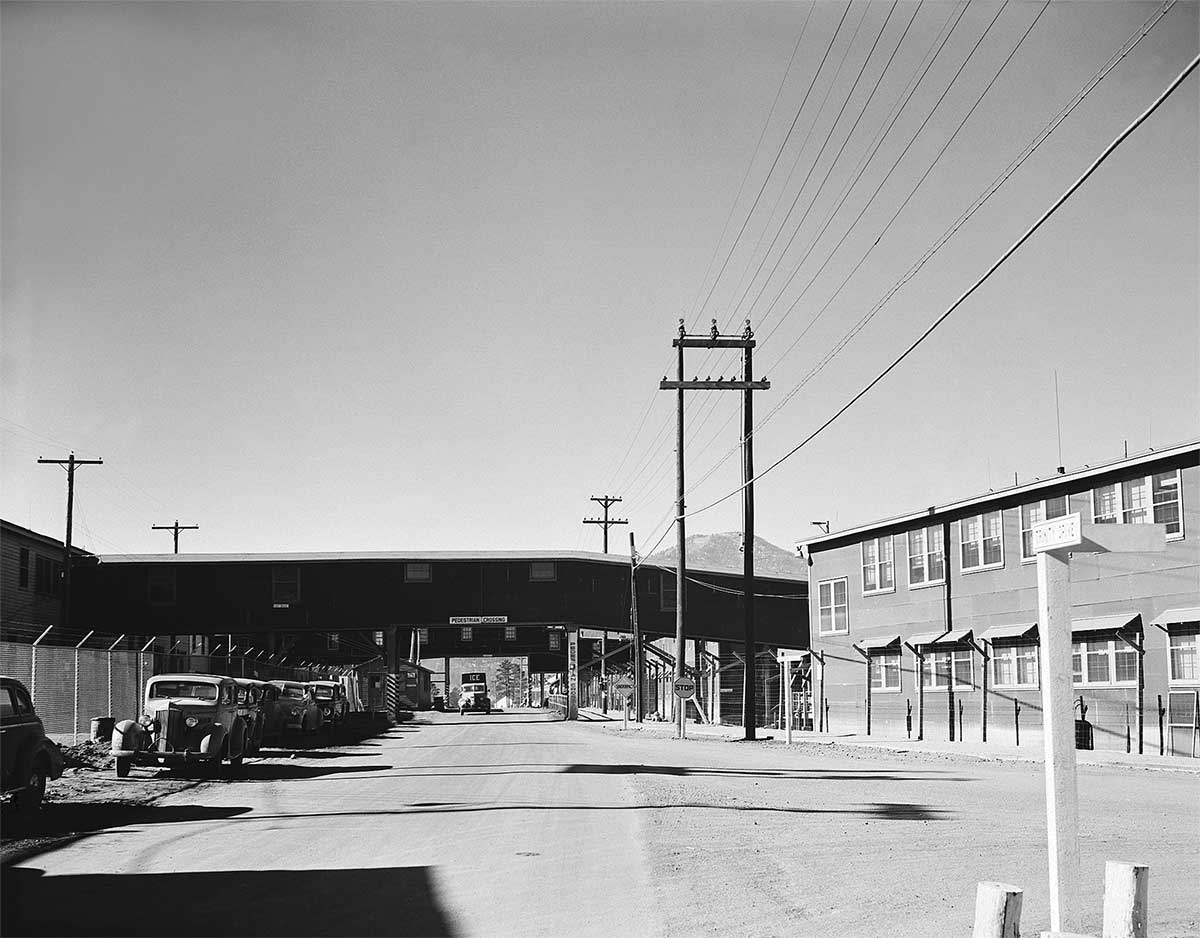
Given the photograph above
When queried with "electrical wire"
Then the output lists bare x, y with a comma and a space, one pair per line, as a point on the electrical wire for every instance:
980, 200
970, 290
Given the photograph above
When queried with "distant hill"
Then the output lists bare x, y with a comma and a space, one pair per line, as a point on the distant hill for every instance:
720, 552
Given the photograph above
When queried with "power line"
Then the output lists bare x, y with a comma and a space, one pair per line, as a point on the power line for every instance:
978, 283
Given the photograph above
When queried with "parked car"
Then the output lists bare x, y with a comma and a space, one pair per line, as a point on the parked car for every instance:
272, 706
29, 758
299, 706
331, 698
186, 718
251, 709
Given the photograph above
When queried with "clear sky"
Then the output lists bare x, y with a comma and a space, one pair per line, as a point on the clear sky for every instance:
387, 276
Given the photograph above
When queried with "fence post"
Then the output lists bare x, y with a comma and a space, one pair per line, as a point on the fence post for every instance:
997, 911
33, 666
110, 651
1126, 894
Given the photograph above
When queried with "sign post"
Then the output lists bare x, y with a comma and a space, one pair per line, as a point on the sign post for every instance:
685, 690
1054, 541
624, 689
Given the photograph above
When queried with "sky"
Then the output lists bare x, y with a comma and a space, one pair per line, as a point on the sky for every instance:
405, 276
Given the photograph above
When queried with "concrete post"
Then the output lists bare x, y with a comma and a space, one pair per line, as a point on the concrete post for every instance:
997, 911
1126, 898
1062, 798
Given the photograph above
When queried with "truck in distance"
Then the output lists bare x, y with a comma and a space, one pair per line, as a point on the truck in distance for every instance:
474, 694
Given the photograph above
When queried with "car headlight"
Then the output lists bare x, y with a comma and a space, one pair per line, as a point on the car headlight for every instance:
191, 721
326, 710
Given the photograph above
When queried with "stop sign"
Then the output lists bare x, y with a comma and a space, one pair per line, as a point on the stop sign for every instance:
684, 687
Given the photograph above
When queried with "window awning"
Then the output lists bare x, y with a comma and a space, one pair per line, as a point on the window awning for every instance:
953, 637
879, 641
1019, 630
1174, 616
1126, 620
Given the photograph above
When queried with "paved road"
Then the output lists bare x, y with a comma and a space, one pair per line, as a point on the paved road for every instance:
511, 825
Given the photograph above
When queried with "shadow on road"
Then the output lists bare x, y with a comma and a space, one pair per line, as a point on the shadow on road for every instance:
378, 901
282, 771
678, 771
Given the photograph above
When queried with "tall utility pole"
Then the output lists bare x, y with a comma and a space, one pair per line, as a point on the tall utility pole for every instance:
637, 633
176, 528
747, 384
606, 501
71, 463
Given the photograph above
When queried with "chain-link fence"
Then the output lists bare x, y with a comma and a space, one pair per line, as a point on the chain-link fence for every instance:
71, 686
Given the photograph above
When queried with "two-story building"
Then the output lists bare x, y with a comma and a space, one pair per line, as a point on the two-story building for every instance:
926, 624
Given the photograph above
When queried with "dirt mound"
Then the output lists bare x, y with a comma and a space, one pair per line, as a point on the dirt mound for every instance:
91, 755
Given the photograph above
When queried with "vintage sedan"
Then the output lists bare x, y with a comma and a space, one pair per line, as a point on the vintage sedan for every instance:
299, 706
186, 719
252, 709
29, 758
331, 698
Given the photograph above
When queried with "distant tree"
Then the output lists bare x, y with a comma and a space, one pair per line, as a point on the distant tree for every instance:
510, 681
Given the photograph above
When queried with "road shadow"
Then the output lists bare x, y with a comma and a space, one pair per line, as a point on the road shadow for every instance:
283, 771
312, 754
680, 771
79, 817
393, 901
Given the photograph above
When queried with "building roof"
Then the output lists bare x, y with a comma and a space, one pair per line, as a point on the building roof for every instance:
427, 556
1019, 494
46, 540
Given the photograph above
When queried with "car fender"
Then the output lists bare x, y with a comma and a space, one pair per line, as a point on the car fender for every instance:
212, 741
128, 736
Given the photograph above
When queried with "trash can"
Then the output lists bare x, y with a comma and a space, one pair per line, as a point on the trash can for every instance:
1083, 735
102, 728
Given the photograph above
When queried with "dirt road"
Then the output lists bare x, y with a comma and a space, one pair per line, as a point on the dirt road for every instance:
509, 825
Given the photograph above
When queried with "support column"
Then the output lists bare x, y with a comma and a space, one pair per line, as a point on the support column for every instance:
572, 673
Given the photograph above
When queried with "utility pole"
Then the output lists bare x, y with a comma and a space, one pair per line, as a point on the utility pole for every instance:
637, 634
71, 463
747, 385
606, 501
175, 528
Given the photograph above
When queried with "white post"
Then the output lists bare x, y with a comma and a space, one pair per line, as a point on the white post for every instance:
1058, 716
572, 673
997, 911
1126, 897
787, 696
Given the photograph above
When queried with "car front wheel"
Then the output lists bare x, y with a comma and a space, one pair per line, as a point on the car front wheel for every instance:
29, 799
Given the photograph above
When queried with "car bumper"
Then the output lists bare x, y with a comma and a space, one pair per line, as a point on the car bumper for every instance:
154, 757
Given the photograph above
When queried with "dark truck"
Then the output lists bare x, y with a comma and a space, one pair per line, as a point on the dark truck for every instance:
474, 694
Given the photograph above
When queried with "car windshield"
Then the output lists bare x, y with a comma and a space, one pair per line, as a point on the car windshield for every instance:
474, 688
162, 689
294, 691
325, 693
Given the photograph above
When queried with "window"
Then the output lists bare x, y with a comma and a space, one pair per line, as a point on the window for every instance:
982, 538
333, 641
926, 556
669, 588
878, 570
1036, 514
555, 641
160, 586
936, 668
510, 633
833, 607
423, 636
285, 585
47, 576
1184, 654
1145, 500
885, 670
1106, 661
418, 572
542, 570
23, 576
1015, 665
465, 633
378, 637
